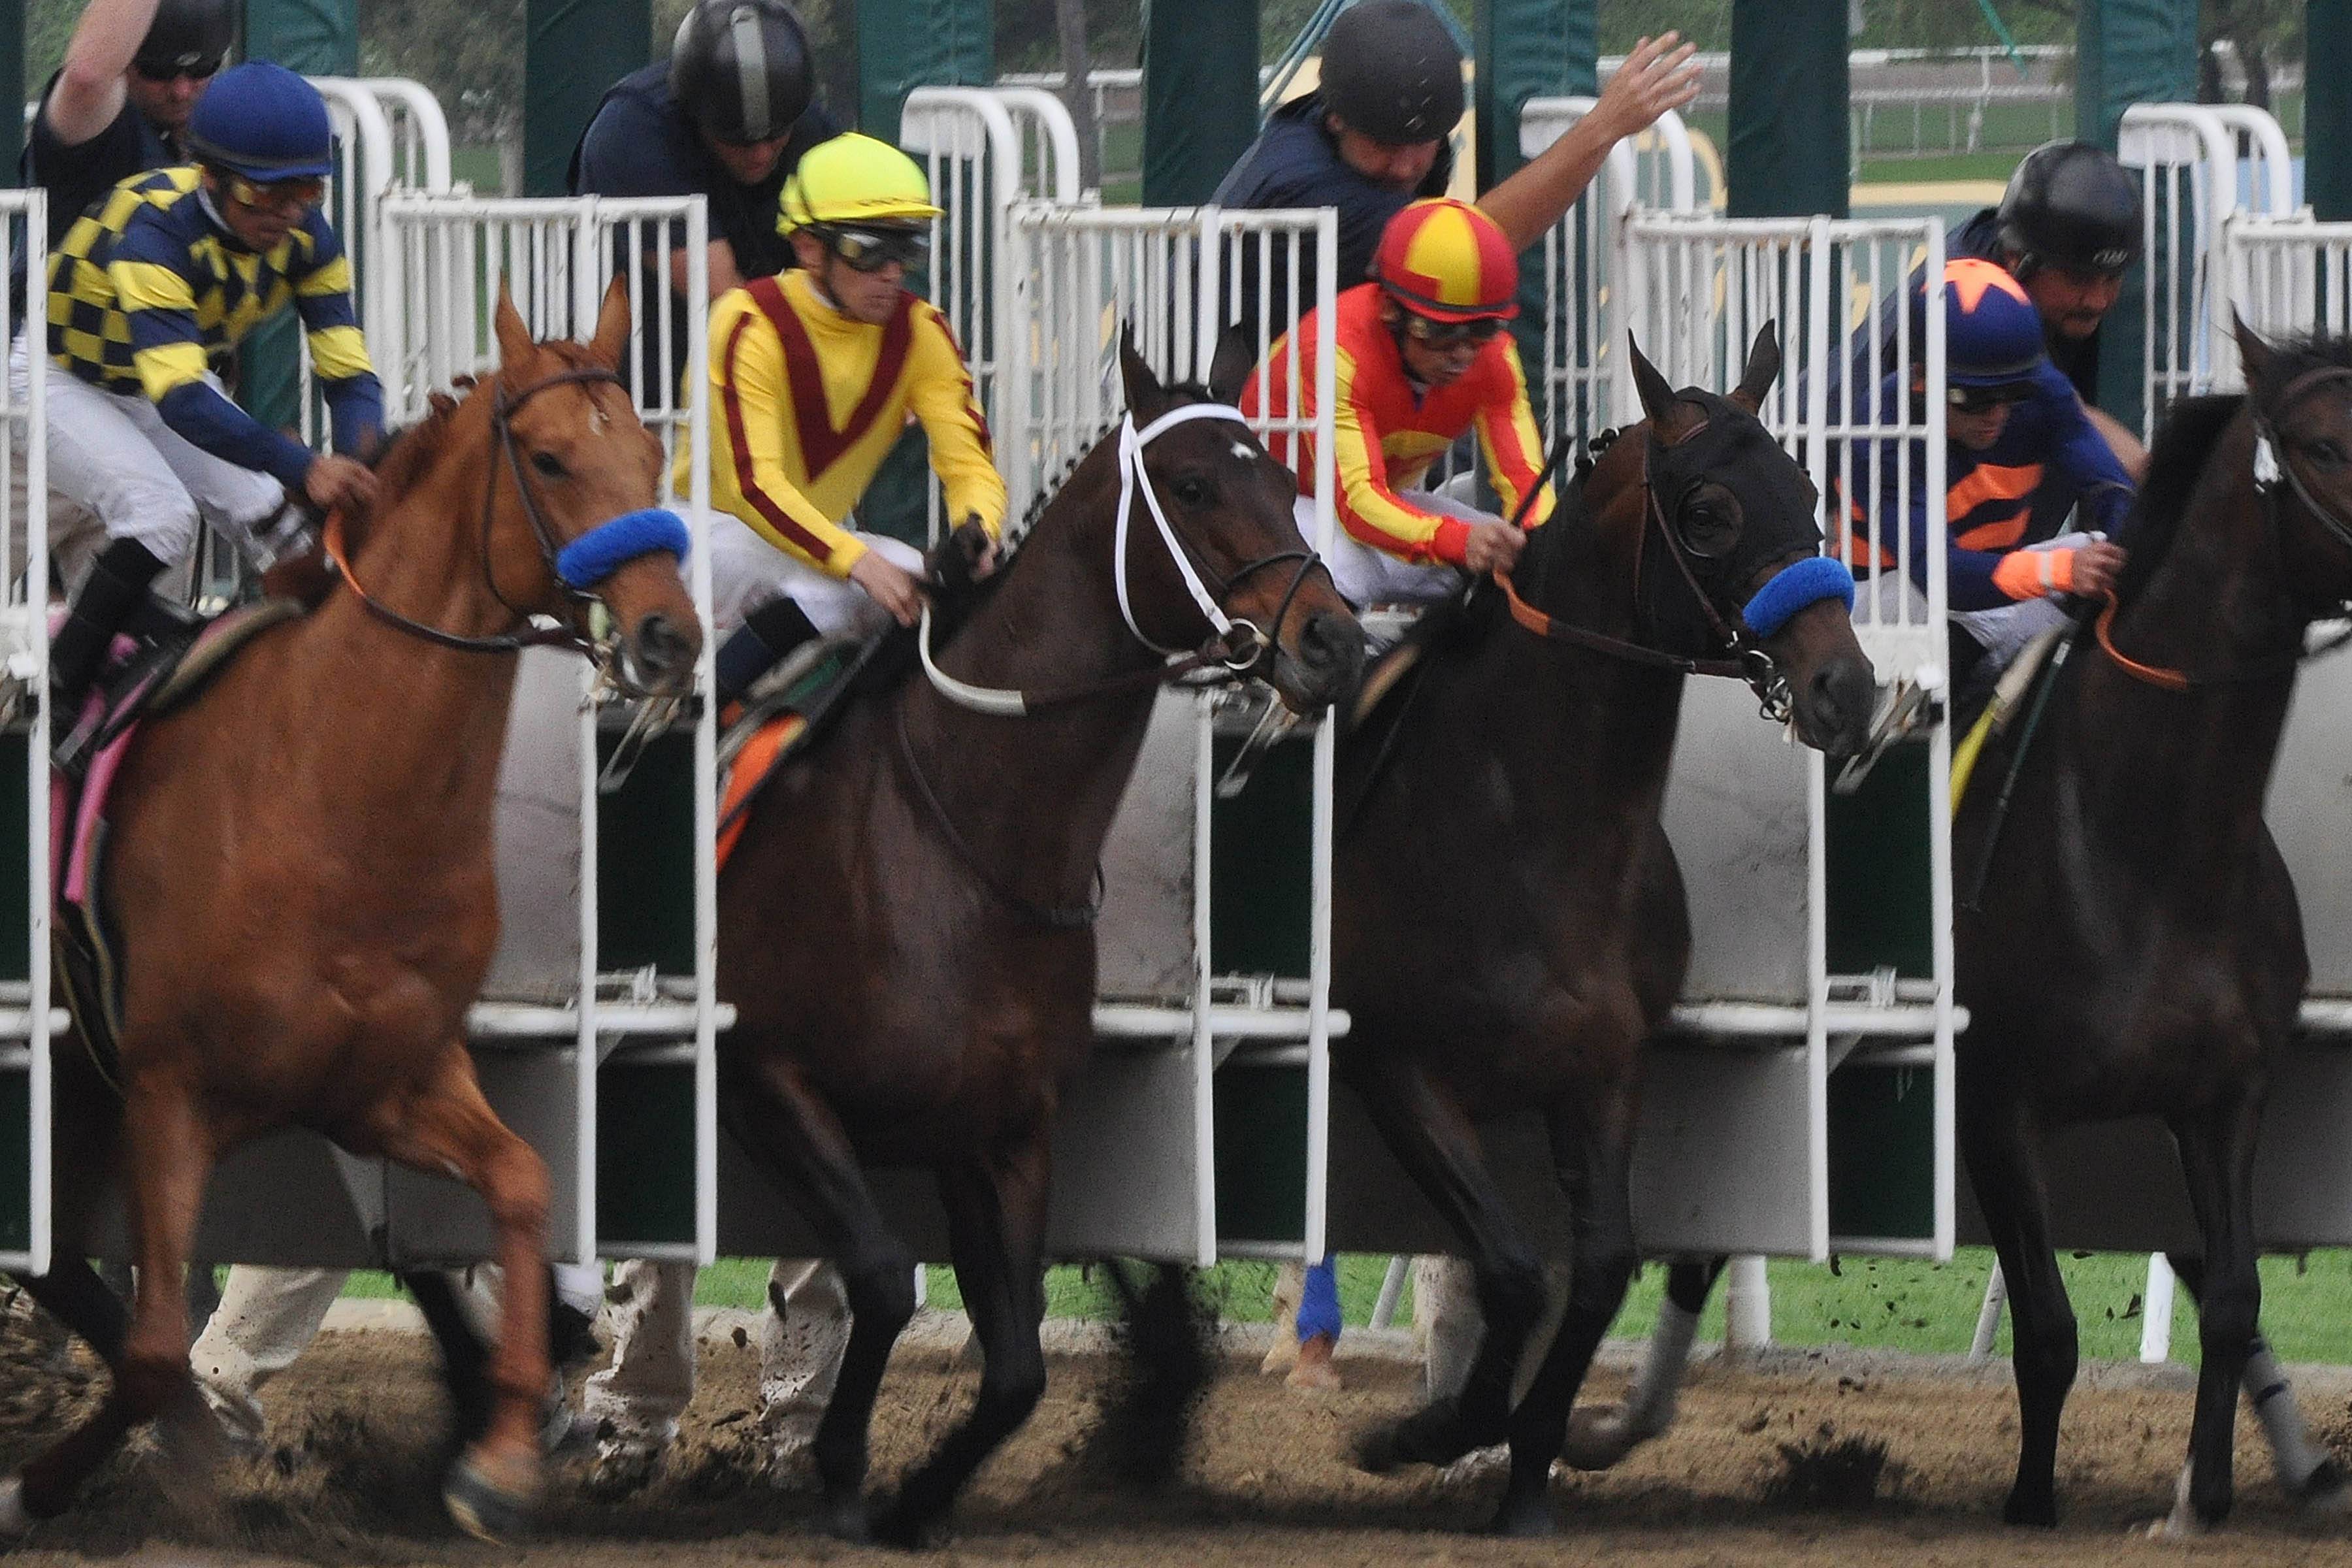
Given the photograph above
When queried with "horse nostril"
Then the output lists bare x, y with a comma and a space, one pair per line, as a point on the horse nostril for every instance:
663, 649
1332, 644
1843, 693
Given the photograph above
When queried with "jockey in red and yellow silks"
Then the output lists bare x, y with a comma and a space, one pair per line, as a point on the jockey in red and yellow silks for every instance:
1422, 359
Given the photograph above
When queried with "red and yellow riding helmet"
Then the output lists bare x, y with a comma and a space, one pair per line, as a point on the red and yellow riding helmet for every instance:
1446, 261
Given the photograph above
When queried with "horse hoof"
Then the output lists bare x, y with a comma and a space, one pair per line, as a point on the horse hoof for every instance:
15, 1519
2326, 1490
900, 1523
1598, 1436
2040, 1512
1376, 1450
1524, 1519
847, 1518
484, 1509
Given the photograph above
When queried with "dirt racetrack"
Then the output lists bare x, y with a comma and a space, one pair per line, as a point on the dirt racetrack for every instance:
348, 1477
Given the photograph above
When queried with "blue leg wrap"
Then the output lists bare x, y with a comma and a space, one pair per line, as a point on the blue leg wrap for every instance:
1319, 1303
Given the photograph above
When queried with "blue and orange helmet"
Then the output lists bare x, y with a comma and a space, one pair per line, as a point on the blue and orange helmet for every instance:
1993, 333
1448, 260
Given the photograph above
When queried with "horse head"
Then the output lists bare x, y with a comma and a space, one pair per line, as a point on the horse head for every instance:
2304, 451
1738, 519
1208, 534
573, 489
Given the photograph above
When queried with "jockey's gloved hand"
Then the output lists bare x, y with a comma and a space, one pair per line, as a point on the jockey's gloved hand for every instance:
967, 556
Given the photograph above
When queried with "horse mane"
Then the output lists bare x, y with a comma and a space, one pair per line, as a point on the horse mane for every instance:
2185, 441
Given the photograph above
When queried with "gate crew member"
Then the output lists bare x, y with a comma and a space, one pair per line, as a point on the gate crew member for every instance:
146, 293
1423, 358
814, 374
2018, 455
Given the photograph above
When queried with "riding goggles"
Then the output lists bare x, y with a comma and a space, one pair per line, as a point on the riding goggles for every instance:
172, 70
1985, 399
1451, 334
872, 250
290, 198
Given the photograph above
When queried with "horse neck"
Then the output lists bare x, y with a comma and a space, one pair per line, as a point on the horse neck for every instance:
434, 716
1053, 780
2222, 599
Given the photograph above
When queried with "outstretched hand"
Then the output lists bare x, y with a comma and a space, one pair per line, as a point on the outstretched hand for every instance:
1657, 76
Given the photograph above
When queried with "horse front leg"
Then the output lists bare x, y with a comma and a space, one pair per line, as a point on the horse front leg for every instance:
1599, 1435
1592, 1154
2217, 1157
783, 1124
447, 1129
169, 1153
996, 1230
1427, 1131
2002, 1146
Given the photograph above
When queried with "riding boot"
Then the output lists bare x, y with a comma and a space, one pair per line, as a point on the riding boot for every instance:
767, 634
118, 581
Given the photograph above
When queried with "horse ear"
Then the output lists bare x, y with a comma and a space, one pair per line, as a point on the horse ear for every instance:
2254, 351
612, 325
1146, 398
515, 342
1657, 397
1763, 368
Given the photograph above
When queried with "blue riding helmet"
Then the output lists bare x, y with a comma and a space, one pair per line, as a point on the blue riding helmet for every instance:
265, 123
1993, 333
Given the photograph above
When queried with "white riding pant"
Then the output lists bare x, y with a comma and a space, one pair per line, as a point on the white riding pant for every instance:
112, 456
747, 572
651, 1380
1366, 574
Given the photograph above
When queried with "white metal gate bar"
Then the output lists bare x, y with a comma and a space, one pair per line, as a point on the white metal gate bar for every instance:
445, 258
2286, 276
27, 1019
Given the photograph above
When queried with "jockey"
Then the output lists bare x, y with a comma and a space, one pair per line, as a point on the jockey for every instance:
1423, 358
2019, 456
814, 374
147, 290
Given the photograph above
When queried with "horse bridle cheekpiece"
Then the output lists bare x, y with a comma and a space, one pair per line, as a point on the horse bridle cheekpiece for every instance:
1236, 646
576, 568
2273, 465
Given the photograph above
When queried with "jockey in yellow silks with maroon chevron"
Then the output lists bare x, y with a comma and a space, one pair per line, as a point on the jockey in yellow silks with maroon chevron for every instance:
814, 374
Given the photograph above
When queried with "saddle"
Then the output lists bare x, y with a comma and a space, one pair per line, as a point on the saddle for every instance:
148, 676
786, 714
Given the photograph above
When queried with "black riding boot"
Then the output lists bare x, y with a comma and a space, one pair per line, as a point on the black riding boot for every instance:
751, 649
117, 583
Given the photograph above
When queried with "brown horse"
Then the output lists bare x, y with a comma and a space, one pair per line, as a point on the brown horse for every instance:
2137, 949
300, 872
1509, 922
905, 929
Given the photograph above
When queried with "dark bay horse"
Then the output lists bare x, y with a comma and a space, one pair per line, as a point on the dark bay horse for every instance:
1510, 923
300, 872
2139, 951
905, 926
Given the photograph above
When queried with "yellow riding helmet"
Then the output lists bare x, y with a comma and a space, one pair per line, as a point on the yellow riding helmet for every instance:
855, 179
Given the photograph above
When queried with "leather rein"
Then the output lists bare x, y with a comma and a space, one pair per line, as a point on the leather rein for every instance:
1749, 662
502, 412
2273, 469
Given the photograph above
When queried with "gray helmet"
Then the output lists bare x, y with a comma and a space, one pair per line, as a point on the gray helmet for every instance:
1392, 71
740, 68
2071, 204
190, 37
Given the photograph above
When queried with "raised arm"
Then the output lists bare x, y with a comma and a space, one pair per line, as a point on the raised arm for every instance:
1656, 77
90, 91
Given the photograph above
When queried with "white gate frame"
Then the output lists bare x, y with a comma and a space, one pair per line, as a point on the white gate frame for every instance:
1079, 274
444, 258
27, 1020
1703, 285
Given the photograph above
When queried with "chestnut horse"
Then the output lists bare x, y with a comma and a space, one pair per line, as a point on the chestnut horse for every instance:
905, 926
300, 874
2138, 950
1510, 923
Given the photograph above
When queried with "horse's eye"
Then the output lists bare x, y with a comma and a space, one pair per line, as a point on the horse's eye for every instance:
1710, 528
2326, 452
550, 466
1191, 492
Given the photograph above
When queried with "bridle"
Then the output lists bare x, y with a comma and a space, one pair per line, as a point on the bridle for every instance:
2274, 469
566, 563
1749, 661
1236, 648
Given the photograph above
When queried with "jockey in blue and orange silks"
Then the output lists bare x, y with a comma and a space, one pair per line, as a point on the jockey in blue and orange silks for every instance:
2019, 456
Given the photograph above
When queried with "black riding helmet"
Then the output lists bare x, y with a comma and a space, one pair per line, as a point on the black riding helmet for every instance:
740, 67
2071, 204
189, 36
1390, 71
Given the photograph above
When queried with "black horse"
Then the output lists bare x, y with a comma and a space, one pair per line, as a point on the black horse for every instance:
2137, 949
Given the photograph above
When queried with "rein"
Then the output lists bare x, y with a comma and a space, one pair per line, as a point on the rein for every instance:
2272, 467
502, 412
